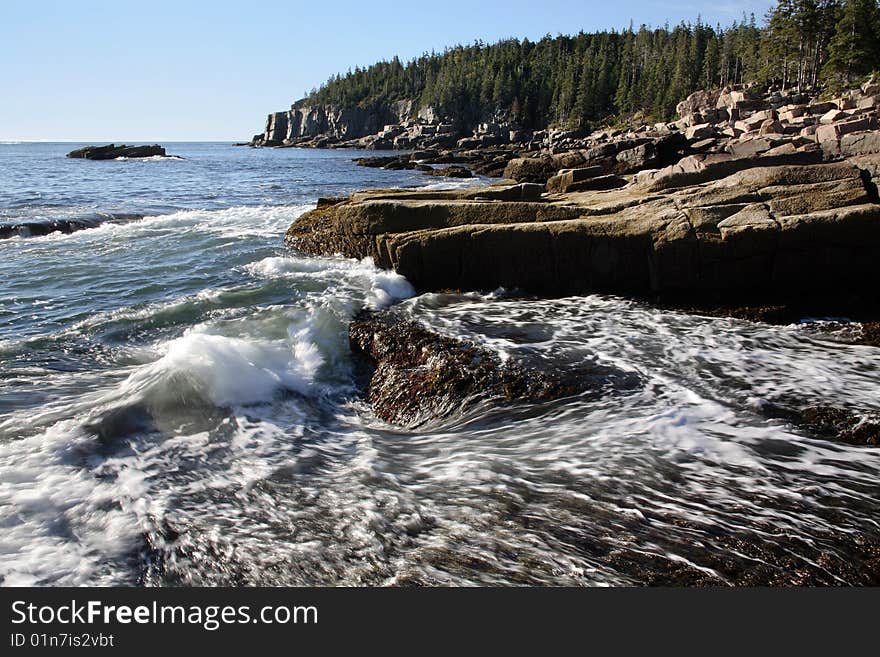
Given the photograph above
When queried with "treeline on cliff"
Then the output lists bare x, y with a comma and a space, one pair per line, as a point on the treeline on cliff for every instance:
578, 80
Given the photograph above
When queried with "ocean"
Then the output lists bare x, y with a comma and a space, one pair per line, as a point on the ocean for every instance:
179, 406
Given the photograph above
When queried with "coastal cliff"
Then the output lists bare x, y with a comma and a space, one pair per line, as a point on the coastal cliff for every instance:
302, 122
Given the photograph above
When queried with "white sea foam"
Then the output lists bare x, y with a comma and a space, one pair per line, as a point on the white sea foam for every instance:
151, 158
455, 184
382, 288
236, 222
229, 370
61, 524
285, 475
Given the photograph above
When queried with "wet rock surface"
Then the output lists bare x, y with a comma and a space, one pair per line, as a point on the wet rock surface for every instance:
851, 318
418, 376
453, 171
66, 226
831, 423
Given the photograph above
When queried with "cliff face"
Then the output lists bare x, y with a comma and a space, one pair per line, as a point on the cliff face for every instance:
337, 123
383, 126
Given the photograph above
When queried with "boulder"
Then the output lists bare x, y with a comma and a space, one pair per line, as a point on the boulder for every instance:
860, 143
820, 108
749, 147
418, 376
831, 116
755, 121
562, 181
636, 159
697, 101
869, 102
528, 169
521, 192
771, 127
454, 171
697, 132
791, 112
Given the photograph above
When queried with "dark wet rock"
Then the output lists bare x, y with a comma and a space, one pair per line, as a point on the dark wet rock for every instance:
112, 152
871, 334
842, 425
67, 226
404, 164
421, 376
327, 201
830, 422
492, 166
451, 172
376, 162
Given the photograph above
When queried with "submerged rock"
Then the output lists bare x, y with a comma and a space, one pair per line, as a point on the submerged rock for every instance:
419, 376
112, 152
67, 226
831, 423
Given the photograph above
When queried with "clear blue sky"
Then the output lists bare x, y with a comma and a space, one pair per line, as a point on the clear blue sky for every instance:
184, 70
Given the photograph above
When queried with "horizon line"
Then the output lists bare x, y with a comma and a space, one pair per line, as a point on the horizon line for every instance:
9, 141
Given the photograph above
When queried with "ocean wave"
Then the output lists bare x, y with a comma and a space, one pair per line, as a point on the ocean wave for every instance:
235, 222
226, 370
382, 288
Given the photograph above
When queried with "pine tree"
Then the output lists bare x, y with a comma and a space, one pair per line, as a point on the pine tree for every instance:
855, 46
586, 78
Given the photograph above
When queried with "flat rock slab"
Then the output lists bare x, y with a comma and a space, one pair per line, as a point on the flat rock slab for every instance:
751, 228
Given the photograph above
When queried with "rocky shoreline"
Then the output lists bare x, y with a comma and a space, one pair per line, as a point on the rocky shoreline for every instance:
739, 119
764, 208
767, 232
776, 200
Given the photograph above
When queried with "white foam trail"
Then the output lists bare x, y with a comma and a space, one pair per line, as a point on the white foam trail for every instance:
151, 158
236, 221
383, 288
456, 184
61, 525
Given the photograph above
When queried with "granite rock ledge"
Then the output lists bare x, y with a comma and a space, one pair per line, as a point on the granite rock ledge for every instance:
717, 226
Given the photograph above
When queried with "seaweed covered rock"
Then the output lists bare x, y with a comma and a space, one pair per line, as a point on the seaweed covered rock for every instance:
420, 376
831, 423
